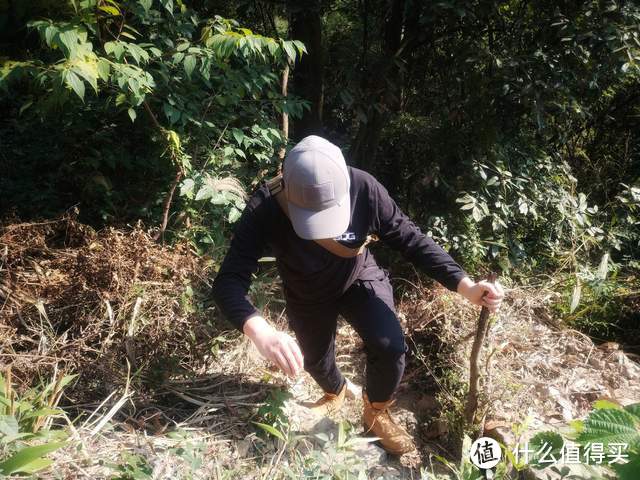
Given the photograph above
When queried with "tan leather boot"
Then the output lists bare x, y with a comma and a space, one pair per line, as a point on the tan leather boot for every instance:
378, 422
331, 402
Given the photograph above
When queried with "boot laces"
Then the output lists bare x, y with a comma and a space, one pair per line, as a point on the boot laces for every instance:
385, 414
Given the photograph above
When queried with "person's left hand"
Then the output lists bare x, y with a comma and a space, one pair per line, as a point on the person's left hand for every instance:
474, 291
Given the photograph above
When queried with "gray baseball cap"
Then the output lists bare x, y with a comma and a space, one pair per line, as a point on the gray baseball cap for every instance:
316, 186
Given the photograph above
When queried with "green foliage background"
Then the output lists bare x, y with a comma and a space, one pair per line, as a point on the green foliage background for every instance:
508, 130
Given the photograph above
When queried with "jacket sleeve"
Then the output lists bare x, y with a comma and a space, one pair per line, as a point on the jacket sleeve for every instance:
400, 233
231, 285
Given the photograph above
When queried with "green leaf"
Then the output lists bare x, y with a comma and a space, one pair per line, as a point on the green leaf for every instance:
300, 46
41, 412
22, 459
103, 69
290, 50
634, 409
189, 64
37, 465
168, 5
73, 81
88, 71
238, 135
610, 426
132, 114
204, 193
234, 215
110, 10
602, 404
120, 99
629, 470
546, 445
9, 425
146, 4
69, 39
271, 430
477, 214
115, 48
187, 187
49, 33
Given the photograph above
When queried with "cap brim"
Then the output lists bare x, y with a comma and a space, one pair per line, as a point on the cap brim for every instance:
315, 225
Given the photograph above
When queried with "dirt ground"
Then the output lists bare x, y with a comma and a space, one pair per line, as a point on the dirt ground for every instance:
161, 375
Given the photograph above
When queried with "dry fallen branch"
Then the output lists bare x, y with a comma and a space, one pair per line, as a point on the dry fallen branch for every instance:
474, 367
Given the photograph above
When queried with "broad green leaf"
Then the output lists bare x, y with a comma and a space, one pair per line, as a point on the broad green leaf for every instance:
21, 460
187, 187
238, 135
146, 4
204, 193
132, 114
69, 39
290, 50
189, 65
73, 81
88, 71
115, 48
610, 426
300, 46
103, 69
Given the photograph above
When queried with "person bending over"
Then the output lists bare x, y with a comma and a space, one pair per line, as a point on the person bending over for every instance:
318, 218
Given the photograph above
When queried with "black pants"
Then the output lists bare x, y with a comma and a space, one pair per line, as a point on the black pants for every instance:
368, 307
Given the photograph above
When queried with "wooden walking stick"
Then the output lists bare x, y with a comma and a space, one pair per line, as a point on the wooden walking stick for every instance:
474, 369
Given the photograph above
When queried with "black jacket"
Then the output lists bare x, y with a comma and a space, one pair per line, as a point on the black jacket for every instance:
312, 275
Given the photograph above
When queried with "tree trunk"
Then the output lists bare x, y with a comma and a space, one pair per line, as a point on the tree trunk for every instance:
385, 89
307, 79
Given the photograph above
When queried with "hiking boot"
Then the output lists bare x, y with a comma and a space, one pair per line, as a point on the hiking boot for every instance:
331, 402
378, 422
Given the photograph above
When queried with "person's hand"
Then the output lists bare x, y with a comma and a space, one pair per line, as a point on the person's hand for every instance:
475, 293
274, 345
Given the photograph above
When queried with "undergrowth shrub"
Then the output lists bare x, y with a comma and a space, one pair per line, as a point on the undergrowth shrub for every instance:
26, 436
